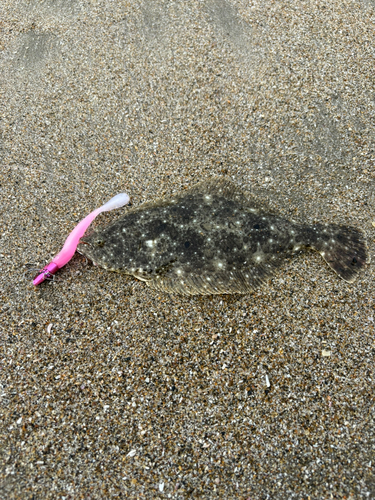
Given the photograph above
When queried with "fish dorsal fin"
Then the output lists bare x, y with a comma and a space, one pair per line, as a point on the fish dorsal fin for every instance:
160, 202
214, 282
224, 187
218, 186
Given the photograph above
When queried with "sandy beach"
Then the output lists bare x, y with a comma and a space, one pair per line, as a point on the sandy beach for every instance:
109, 389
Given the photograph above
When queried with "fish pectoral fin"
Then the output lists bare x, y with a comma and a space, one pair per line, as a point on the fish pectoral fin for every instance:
150, 275
141, 278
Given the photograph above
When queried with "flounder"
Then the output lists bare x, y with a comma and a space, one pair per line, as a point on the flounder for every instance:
212, 239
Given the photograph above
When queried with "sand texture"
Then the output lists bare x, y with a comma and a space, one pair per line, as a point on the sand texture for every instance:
112, 390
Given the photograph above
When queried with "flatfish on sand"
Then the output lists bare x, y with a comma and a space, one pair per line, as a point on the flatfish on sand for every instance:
213, 239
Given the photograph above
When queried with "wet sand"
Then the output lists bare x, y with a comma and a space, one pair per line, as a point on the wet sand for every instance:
111, 390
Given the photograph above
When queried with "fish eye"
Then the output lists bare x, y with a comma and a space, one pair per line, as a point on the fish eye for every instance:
99, 243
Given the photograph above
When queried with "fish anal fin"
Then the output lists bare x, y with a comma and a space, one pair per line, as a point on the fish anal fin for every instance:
211, 282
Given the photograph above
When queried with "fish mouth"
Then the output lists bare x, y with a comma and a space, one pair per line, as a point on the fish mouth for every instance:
82, 247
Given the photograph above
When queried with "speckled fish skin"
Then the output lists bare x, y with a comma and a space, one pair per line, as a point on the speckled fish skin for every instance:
212, 239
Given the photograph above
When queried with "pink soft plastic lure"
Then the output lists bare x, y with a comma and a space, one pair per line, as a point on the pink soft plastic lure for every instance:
72, 240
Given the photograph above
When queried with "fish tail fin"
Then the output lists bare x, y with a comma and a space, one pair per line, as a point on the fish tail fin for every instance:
343, 248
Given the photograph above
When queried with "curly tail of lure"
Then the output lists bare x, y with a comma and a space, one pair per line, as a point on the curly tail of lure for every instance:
70, 245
